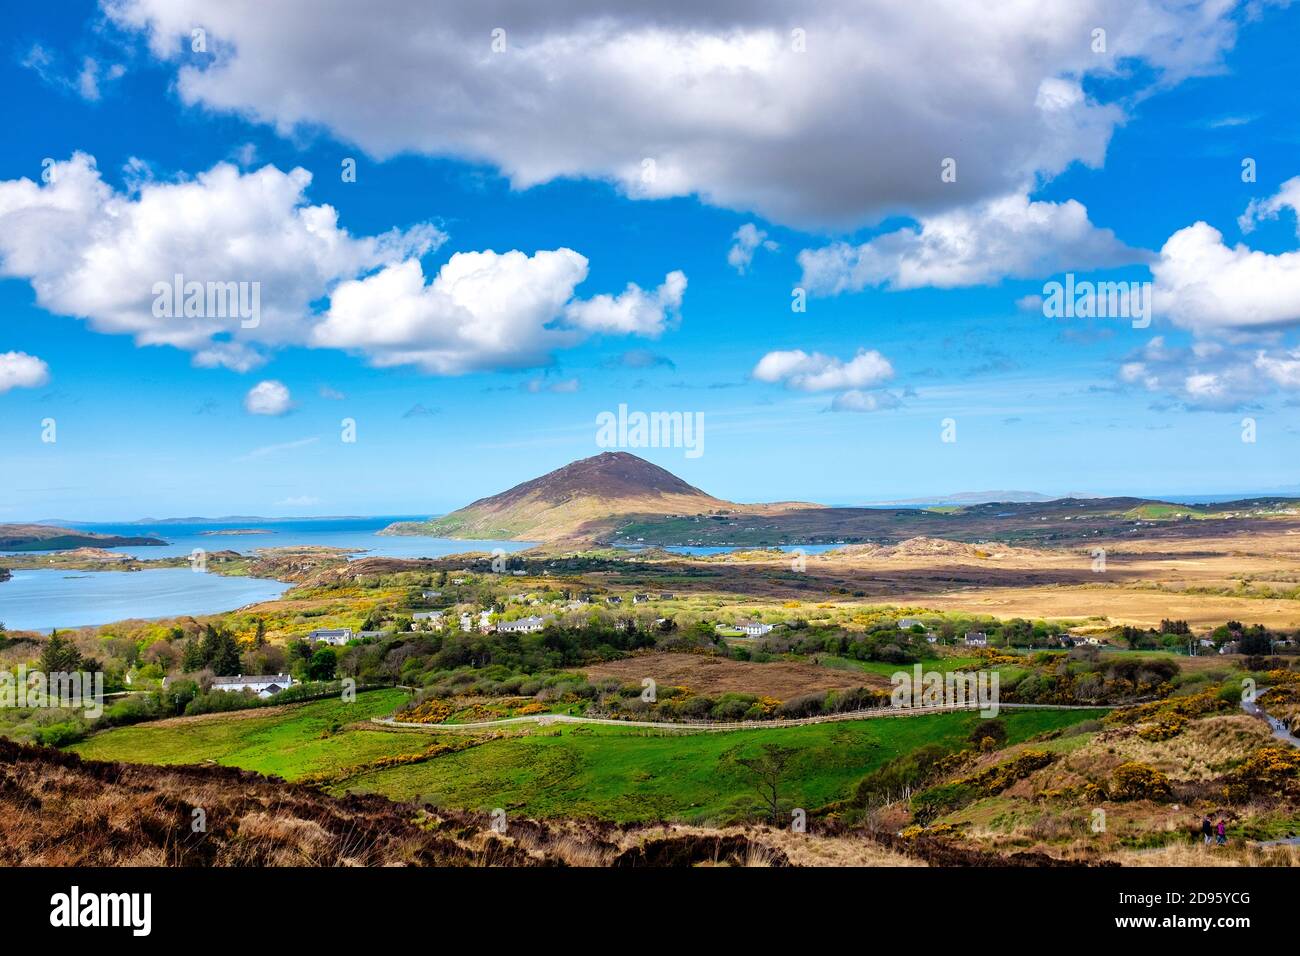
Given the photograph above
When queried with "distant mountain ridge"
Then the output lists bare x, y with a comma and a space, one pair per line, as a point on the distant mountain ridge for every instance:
44, 537
575, 501
616, 497
980, 498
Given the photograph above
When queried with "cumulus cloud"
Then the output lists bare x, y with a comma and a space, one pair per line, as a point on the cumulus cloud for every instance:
20, 370
1282, 369
1204, 285
1210, 376
978, 245
106, 256
744, 242
633, 311
114, 259
729, 103
1287, 197
815, 372
268, 398
485, 310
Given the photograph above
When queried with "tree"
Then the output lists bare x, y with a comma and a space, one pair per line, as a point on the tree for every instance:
767, 775
59, 655
259, 635
322, 665
1255, 641
225, 655
192, 657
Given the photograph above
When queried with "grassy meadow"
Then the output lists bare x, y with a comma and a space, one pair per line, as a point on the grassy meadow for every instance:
611, 773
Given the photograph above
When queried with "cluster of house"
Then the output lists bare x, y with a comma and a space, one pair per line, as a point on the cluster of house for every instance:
481, 622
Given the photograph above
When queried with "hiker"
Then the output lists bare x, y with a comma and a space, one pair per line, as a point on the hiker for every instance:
1207, 828
1223, 832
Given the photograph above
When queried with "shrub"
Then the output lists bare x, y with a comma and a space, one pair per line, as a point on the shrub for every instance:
1137, 781
60, 735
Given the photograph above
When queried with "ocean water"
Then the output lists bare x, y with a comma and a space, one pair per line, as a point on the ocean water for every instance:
359, 534
45, 599
41, 600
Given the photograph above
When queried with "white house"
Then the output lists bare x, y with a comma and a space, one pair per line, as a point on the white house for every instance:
754, 628
431, 595
525, 625
905, 623
338, 636
977, 639
263, 686
466, 622
485, 622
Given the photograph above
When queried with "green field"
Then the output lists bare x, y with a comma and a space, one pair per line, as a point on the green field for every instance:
617, 774
288, 744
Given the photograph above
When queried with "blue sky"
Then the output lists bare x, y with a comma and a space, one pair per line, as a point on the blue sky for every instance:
467, 370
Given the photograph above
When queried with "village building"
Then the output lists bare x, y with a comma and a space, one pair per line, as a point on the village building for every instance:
337, 636
263, 686
524, 625
977, 639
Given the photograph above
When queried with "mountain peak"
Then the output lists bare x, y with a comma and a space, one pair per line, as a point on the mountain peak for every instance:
574, 500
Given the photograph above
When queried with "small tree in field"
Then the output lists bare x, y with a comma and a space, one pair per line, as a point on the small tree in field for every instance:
767, 773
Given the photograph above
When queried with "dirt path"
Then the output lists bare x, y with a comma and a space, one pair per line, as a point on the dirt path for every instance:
705, 726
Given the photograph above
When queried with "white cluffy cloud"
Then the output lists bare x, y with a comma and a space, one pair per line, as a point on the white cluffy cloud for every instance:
20, 370
1287, 197
815, 372
485, 310
977, 245
93, 252
633, 311
744, 242
268, 398
1206, 286
745, 106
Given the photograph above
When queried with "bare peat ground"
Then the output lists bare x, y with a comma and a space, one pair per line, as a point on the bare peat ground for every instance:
711, 676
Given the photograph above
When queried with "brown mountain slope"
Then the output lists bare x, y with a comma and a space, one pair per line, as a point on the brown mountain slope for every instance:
580, 500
